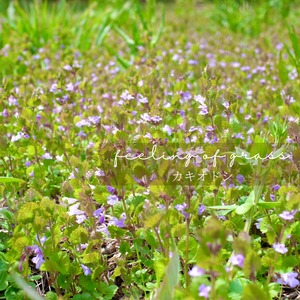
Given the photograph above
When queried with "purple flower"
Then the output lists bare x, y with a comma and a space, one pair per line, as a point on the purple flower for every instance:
142, 99
17, 137
5, 113
46, 156
181, 208
185, 96
70, 87
199, 99
240, 178
99, 173
201, 209
193, 62
126, 96
280, 248
94, 119
289, 279
119, 223
204, 291
112, 199
12, 100
38, 260
99, 213
276, 187
257, 224
86, 270
83, 123
288, 215
28, 163
196, 271
223, 218
111, 190
80, 214
67, 68
38, 118
237, 260
167, 129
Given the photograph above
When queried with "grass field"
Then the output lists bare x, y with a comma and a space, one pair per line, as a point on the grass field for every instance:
149, 150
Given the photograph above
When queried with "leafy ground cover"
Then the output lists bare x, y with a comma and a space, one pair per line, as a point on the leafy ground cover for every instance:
149, 150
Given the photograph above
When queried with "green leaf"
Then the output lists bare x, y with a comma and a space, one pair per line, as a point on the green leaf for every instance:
244, 208
86, 283
10, 180
129, 41
3, 281
223, 207
255, 291
268, 205
79, 236
259, 149
160, 31
171, 279
84, 296
153, 220
51, 296
28, 290
107, 290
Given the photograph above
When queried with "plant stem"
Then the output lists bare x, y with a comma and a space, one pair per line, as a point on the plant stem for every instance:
187, 233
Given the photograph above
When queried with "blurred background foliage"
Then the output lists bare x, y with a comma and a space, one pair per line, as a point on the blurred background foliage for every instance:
82, 25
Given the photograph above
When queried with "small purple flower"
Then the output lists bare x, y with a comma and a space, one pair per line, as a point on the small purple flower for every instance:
28, 163
12, 101
99, 173
38, 118
112, 199
185, 96
38, 260
5, 113
288, 215
46, 156
181, 208
257, 224
289, 279
126, 96
43, 240
237, 260
111, 190
83, 123
67, 68
280, 248
240, 178
80, 214
167, 129
86, 270
201, 209
239, 136
95, 119
17, 137
223, 218
70, 87
204, 291
99, 213
196, 271
119, 222
276, 187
